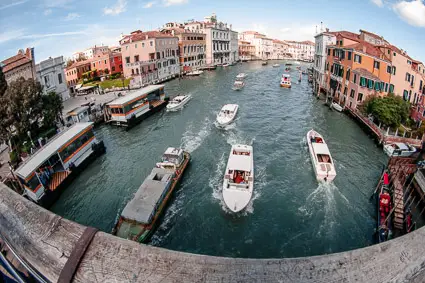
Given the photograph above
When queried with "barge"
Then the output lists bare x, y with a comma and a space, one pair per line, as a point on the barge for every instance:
141, 215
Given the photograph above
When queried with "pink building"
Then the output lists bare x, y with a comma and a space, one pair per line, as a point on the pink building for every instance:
110, 61
150, 57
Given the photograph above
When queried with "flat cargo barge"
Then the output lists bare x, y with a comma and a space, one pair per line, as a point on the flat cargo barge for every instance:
141, 215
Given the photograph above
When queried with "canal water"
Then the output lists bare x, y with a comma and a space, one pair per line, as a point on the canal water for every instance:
290, 215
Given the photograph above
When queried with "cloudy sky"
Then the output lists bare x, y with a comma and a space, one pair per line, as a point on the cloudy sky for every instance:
61, 27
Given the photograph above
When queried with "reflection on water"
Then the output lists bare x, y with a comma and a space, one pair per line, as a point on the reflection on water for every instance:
290, 214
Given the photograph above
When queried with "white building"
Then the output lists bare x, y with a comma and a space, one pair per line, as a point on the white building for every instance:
280, 50
219, 42
234, 46
89, 53
321, 41
50, 73
263, 45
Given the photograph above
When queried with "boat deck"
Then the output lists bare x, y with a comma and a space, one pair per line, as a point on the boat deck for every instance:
156, 103
57, 179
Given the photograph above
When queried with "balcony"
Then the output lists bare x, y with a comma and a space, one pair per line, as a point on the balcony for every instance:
336, 78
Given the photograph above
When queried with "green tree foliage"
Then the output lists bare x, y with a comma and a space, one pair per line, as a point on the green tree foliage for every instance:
3, 83
52, 109
390, 110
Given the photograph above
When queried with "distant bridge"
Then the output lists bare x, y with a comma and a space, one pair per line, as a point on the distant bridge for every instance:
63, 251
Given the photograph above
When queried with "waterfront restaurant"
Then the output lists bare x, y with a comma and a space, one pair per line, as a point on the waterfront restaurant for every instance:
133, 107
45, 171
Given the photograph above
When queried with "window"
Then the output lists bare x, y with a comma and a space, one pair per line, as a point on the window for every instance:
126, 47
137, 71
408, 77
333, 52
362, 81
353, 93
394, 69
345, 91
136, 58
329, 51
355, 78
151, 43
347, 76
376, 65
370, 84
394, 54
349, 55
360, 97
405, 95
132, 71
391, 88
377, 86
389, 69
60, 79
127, 60
135, 45
357, 58
143, 44
113, 68
105, 62
420, 85
386, 87
94, 64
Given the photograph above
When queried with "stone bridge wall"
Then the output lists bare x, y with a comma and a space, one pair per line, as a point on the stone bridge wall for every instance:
45, 241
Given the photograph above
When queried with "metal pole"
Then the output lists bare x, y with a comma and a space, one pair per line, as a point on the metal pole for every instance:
11, 269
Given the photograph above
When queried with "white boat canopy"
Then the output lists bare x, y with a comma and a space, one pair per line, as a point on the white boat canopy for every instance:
401, 146
240, 163
136, 94
229, 107
320, 148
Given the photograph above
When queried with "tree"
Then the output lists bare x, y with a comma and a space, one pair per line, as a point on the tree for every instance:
52, 109
390, 110
3, 83
20, 109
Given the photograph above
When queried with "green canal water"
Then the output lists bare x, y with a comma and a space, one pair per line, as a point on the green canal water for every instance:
290, 215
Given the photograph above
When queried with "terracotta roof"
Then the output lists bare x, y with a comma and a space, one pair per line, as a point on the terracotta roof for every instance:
307, 42
139, 35
17, 60
366, 73
279, 41
78, 64
347, 34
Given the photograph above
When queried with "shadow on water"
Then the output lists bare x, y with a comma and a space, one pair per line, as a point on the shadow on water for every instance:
289, 215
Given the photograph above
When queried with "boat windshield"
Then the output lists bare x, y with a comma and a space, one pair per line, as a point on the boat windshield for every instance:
316, 140
324, 158
225, 112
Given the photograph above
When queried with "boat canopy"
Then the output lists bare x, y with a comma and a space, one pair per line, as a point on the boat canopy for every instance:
135, 95
401, 146
179, 98
172, 155
320, 148
148, 197
51, 148
238, 82
229, 107
240, 163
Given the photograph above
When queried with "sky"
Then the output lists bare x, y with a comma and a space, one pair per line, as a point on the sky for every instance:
62, 27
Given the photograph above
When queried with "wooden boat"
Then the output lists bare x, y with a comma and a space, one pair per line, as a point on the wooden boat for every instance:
323, 164
285, 81
384, 205
238, 183
141, 215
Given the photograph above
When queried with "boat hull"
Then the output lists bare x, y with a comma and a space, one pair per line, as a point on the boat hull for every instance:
179, 106
337, 107
321, 176
285, 86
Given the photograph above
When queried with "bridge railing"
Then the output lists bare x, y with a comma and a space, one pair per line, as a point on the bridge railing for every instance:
55, 247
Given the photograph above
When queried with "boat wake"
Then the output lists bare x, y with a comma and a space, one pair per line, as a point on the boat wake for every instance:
322, 203
236, 137
191, 139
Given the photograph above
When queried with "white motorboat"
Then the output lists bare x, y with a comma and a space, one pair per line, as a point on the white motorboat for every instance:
285, 81
399, 149
178, 102
195, 73
276, 65
238, 85
227, 114
337, 107
238, 181
264, 62
226, 65
323, 164
241, 76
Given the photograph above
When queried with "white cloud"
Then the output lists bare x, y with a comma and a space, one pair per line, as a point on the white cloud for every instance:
379, 3
148, 5
12, 4
58, 3
412, 12
118, 8
175, 2
72, 16
11, 35
47, 12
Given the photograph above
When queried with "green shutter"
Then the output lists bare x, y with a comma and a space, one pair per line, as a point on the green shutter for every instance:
370, 84
391, 88
362, 81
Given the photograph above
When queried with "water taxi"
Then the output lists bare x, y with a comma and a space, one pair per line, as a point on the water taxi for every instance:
227, 114
285, 81
48, 170
132, 108
241, 76
195, 73
178, 102
399, 149
321, 158
238, 183
238, 85
141, 215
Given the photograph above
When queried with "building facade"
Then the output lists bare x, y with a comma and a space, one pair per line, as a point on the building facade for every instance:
107, 63
150, 57
20, 65
192, 47
280, 50
75, 72
221, 41
50, 73
263, 45
322, 40
246, 51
